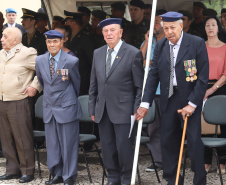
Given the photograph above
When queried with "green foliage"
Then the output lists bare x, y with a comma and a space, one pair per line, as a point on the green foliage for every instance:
216, 5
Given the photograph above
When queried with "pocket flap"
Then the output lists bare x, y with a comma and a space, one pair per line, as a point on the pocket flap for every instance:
68, 103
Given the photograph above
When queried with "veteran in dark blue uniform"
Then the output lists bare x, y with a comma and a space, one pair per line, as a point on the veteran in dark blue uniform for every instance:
181, 65
59, 78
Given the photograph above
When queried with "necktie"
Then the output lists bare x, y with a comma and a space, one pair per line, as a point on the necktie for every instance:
171, 71
52, 67
108, 64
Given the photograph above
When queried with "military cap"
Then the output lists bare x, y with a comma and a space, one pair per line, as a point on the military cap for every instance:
146, 6
118, 6
73, 15
209, 12
186, 13
171, 16
52, 34
199, 4
137, 3
42, 16
109, 21
29, 14
10, 10
223, 10
99, 14
84, 9
41, 10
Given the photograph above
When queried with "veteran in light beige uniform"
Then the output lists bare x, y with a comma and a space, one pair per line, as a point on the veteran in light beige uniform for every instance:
17, 84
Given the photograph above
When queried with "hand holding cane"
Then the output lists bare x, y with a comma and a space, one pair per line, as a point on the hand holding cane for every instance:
181, 147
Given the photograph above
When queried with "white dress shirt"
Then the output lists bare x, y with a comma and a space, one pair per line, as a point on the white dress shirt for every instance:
175, 54
115, 52
11, 25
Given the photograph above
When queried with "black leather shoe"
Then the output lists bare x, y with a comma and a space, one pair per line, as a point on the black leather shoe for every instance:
56, 180
26, 178
69, 181
9, 176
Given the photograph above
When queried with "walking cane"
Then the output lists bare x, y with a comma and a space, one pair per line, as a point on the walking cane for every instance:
181, 147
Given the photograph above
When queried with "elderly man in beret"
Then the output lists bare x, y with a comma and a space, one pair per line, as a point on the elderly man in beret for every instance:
17, 69
59, 78
181, 65
114, 95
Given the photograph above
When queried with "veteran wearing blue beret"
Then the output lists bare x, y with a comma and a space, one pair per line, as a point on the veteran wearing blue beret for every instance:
180, 64
114, 95
59, 78
11, 15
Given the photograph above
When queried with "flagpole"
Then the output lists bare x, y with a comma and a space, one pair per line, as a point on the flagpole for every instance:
139, 129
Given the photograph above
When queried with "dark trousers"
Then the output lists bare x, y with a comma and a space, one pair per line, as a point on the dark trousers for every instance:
17, 136
154, 135
171, 134
117, 149
62, 141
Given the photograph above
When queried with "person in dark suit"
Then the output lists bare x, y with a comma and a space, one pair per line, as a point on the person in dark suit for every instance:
114, 95
32, 38
11, 15
59, 78
181, 65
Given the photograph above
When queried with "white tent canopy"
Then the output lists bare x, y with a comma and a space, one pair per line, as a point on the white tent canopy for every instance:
57, 7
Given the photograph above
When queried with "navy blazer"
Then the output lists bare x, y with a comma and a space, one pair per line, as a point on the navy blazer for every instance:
59, 97
18, 26
192, 47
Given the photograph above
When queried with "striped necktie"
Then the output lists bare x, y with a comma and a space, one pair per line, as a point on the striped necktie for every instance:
108, 64
171, 71
52, 67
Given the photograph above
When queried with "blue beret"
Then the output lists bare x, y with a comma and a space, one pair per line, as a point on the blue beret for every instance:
109, 21
52, 34
10, 10
171, 16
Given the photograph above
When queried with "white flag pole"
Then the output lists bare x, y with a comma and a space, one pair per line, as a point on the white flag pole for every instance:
139, 129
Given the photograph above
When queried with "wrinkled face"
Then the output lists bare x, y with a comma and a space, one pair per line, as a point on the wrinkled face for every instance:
136, 13
112, 34
197, 12
173, 31
94, 21
147, 14
157, 26
186, 22
211, 28
11, 17
54, 45
56, 24
8, 40
27, 23
223, 19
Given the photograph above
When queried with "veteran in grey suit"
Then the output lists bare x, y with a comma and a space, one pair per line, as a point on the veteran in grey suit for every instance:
114, 95
59, 77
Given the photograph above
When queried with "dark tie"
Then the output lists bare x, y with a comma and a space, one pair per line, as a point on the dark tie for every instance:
108, 64
52, 67
171, 71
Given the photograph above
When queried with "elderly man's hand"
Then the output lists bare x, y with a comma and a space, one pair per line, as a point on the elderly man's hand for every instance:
93, 118
187, 111
30, 91
141, 113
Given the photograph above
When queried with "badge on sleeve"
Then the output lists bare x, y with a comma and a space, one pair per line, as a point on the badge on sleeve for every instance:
191, 70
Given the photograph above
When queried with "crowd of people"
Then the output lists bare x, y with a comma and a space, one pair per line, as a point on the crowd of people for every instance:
104, 56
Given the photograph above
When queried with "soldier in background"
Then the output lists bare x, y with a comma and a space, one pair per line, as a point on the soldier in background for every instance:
147, 12
187, 19
85, 19
97, 17
83, 46
32, 38
42, 22
57, 22
134, 34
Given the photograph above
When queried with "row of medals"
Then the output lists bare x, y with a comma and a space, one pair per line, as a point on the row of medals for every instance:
191, 70
63, 73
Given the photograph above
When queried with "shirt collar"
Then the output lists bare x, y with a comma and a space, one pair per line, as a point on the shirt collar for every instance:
10, 51
117, 47
56, 57
11, 25
179, 41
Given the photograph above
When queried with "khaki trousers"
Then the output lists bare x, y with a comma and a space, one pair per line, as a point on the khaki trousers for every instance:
16, 134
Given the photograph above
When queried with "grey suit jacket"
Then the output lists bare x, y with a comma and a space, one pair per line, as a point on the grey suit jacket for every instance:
59, 97
18, 26
121, 91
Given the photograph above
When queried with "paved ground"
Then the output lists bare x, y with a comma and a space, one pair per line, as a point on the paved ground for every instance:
96, 171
